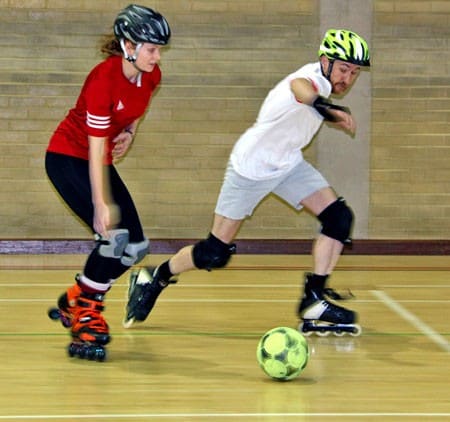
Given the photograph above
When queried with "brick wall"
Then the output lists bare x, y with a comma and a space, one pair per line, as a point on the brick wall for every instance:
223, 58
410, 155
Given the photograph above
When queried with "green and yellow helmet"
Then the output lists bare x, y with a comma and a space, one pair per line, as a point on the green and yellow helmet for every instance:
341, 44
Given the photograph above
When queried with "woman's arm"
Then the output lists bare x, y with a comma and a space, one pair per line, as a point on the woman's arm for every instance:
98, 177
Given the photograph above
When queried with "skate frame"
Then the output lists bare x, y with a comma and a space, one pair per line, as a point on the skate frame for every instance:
194, 359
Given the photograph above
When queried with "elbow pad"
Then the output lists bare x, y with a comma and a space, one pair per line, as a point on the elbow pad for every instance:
323, 107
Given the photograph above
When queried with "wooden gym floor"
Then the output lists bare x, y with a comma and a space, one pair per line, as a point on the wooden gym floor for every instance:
194, 359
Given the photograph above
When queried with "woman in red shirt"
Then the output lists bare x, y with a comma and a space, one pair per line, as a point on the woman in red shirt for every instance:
79, 163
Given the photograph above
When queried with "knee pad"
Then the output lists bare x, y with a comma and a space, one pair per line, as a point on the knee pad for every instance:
135, 252
212, 253
337, 220
114, 245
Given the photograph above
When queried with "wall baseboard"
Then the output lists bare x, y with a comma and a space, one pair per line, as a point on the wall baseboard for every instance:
244, 246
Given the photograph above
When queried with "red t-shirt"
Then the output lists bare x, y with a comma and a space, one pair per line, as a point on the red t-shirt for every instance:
107, 104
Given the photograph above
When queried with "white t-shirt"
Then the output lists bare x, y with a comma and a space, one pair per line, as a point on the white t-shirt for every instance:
272, 146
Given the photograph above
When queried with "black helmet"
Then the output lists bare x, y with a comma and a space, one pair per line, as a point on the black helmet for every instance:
140, 24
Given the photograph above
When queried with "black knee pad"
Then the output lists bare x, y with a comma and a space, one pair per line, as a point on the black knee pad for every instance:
337, 220
212, 253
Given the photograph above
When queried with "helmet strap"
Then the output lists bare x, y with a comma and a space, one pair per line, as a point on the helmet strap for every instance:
136, 51
132, 58
327, 74
124, 49
135, 55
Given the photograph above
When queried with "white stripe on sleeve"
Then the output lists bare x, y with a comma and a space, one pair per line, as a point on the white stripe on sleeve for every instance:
98, 122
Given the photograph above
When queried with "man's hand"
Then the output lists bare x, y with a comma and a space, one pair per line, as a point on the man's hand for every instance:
344, 121
340, 116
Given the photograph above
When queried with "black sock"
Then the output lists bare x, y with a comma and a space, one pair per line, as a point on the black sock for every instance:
316, 282
163, 272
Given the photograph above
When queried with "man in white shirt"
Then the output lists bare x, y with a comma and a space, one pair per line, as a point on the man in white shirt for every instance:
268, 158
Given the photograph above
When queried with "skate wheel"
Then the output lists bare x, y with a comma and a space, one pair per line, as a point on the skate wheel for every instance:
100, 354
90, 353
301, 328
357, 331
83, 351
339, 333
322, 332
128, 323
53, 314
97, 353
72, 349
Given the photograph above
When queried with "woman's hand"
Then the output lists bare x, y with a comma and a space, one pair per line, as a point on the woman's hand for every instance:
122, 143
102, 218
106, 217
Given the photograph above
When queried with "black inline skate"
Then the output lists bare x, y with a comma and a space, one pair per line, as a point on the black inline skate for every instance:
321, 316
144, 288
89, 330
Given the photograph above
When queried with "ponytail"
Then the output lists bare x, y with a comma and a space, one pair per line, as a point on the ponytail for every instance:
110, 46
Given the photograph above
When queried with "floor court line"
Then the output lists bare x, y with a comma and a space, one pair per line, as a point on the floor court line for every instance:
221, 415
245, 300
412, 319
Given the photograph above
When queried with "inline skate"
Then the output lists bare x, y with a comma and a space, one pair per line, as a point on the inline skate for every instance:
144, 288
322, 317
88, 329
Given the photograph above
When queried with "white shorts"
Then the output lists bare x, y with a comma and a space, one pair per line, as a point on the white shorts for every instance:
239, 196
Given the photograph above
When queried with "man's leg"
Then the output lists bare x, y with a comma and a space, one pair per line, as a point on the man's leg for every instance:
224, 229
326, 251
336, 219
213, 252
